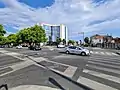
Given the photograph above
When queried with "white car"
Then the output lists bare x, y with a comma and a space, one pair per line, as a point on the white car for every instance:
77, 50
19, 47
60, 46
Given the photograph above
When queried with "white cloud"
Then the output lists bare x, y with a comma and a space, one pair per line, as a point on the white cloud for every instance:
76, 14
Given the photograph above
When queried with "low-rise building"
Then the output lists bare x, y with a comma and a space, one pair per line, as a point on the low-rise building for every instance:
96, 39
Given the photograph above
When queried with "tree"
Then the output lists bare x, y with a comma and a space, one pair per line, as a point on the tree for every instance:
2, 31
58, 40
12, 38
64, 41
3, 40
33, 34
71, 42
86, 40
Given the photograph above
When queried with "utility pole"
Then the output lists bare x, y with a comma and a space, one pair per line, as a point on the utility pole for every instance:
83, 36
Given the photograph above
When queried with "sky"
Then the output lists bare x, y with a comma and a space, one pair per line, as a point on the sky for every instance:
89, 16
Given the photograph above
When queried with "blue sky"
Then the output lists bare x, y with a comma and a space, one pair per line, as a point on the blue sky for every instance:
90, 16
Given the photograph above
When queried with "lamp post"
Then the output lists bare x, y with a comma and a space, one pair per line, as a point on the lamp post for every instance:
83, 36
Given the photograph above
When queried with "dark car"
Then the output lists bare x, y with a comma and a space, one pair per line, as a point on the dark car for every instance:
118, 47
36, 47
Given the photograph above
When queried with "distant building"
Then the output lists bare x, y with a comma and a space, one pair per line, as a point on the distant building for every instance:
95, 39
116, 40
55, 31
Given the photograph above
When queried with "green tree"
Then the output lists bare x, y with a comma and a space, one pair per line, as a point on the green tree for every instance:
3, 40
86, 40
64, 41
2, 31
33, 34
12, 38
71, 42
58, 40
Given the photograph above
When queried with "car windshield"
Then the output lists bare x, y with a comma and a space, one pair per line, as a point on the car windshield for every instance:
60, 44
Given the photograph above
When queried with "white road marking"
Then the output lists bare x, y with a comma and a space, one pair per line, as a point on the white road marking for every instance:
115, 54
93, 84
108, 53
101, 75
104, 69
117, 63
108, 65
70, 71
18, 67
102, 53
96, 53
105, 58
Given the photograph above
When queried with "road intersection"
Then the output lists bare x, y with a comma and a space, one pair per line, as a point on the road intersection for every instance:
98, 71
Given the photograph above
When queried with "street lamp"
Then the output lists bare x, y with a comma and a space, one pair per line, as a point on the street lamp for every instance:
83, 36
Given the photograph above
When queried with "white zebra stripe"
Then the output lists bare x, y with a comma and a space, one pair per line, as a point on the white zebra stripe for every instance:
96, 53
104, 69
93, 84
108, 65
108, 53
117, 63
101, 75
102, 53
115, 54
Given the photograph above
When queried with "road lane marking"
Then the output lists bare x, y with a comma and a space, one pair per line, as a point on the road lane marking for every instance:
102, 53
102, 59
108, 65
70, 71
115, 54
117, 63
101, 75
18, 67
96, 53
93, 84
104, 69
107, 58
108, 53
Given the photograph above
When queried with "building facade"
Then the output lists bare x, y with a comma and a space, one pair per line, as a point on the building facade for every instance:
55, 31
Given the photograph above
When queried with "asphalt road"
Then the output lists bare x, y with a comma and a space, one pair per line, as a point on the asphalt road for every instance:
100, 71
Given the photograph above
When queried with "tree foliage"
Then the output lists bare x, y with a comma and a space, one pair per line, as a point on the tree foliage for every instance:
64, 41
3, 40
2, 31
86, 40
58, 40
12, 38
71, 42
33, 34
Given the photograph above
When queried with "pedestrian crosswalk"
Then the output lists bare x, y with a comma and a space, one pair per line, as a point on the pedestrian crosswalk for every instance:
104, 53
100, 74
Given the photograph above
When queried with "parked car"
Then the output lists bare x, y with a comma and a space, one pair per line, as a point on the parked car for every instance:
19, 47
36, 47
77, 50
60, 46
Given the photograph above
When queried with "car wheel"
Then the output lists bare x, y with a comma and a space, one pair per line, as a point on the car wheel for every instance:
83, 53
67, 52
